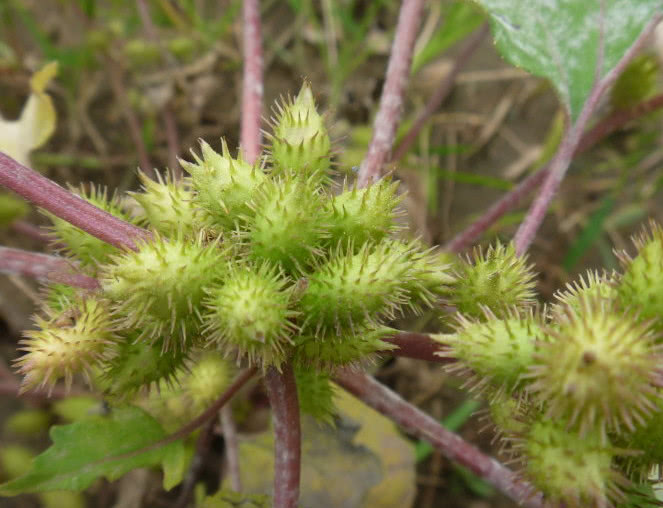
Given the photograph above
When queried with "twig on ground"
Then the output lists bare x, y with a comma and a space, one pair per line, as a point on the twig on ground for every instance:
48, 195
282, 393
232, 449
197, 463
252, 85
391, 103
390, 404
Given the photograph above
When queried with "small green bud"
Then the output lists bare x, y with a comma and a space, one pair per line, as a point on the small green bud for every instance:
160, 287
352, 288
249, 314
300, 141
593, 285
85, 248
499, 351
182, 47
28, 422
168, 205
15, 460
363, 215
600, 369
570, 469
209, 376
497, 279
141, 53
289, 223
224, 186
641, 285
67, 343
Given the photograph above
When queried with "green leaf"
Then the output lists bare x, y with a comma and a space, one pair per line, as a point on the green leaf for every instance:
100, 446
459, 19
559, 39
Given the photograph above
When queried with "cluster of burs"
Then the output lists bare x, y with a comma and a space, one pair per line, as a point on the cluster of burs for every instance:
274, 262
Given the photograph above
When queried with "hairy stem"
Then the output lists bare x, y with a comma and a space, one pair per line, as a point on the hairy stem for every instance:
44, 268
562, 159
391, 103
389, 403
441, 93
282, 393
68, 206
252, 86
416, 345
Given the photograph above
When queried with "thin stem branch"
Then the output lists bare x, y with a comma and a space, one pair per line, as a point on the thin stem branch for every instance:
60, 202
391, 103
441, 93
44, 268
509, 201
197, 463
232, 449
30, 230
197, 422
416, 345
282, 393
252, 85
452, 446
562, 159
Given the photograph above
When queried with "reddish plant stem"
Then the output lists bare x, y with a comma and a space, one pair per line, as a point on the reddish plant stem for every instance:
509, 201
452, 446
282, 393
232, 450
416, 345
44, 268
391, 103
616, 120
68, 206
502, 206
30, 230
252, 85
562, 159
441, 93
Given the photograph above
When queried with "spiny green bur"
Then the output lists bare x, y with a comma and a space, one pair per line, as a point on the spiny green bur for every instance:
497, 279
592, 285
66, 343
224, 186
87, 249
641, 285
600, 369
288, 223
160, 287
496, 350
249, 314
358, 216
299, 140
168, 205
568, 468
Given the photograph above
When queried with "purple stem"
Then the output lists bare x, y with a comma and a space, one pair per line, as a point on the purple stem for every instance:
441, 93
391, 102
416, 345
282, 393
252, 87
43, 267
60, 202
562, 159
452, 446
